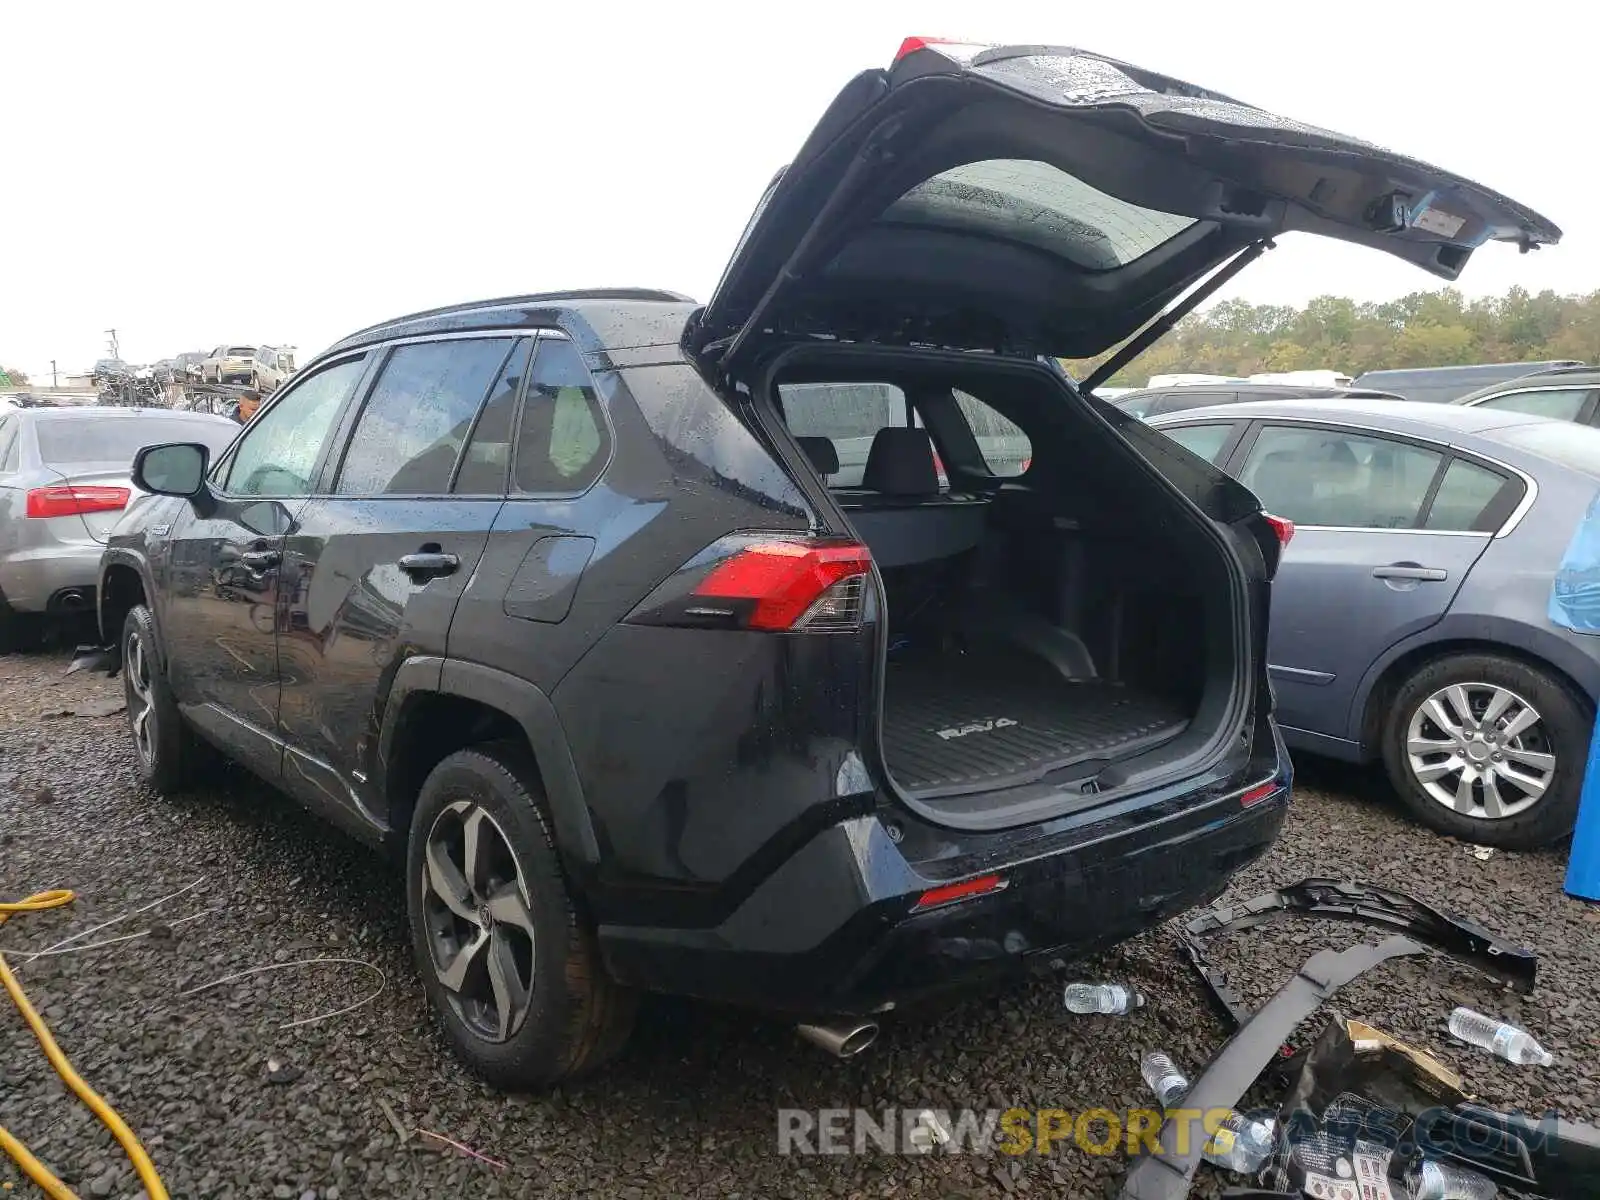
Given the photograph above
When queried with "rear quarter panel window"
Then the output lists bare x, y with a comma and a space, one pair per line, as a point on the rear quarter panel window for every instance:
1470, 498
1205, 440
1006, 450
562, 439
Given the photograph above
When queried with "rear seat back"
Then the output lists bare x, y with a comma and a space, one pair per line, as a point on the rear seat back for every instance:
899, 510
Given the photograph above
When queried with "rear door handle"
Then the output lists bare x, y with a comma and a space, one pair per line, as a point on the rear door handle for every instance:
260, 560
429, 564
1407, 571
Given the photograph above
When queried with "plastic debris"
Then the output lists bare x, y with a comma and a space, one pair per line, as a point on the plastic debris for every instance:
1446, 1181
1483, 853
1240, 1144
1163, 1077
1500, 1038
1110, 999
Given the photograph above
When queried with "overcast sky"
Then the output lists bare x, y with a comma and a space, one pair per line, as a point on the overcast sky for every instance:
286, 172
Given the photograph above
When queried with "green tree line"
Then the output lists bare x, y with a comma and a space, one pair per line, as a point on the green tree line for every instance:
1424, 329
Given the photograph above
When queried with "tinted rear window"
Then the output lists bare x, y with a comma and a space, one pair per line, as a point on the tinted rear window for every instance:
118, 439
1575, 446
1037, 205
241, 351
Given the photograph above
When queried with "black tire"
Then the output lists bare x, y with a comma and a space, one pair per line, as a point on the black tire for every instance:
170, 756
578, 1017
1563, 730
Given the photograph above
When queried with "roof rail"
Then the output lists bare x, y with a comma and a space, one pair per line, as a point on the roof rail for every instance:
656, 295
1574, 369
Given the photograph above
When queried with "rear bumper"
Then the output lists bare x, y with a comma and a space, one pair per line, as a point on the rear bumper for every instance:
835, 929
31, 579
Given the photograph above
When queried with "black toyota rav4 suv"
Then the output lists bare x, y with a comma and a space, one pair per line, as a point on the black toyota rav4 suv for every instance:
820, 648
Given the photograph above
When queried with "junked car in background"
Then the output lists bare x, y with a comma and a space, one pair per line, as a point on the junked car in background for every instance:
1411, 612
64, 482
230, 364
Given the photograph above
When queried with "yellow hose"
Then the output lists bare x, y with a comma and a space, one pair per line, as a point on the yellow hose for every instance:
31, 1166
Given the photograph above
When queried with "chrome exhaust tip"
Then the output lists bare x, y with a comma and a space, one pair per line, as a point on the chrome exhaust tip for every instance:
842, 1039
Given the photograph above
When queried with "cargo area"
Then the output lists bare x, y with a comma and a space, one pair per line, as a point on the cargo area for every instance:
1049, 621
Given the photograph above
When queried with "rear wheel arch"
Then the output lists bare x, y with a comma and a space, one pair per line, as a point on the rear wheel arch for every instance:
1391, 677
122, 586
438, 706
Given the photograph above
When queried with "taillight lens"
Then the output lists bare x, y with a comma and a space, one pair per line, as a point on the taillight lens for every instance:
951, 47
791, 585
1281, 526
68, 500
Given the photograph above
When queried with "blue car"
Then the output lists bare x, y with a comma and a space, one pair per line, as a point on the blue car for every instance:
1437, 607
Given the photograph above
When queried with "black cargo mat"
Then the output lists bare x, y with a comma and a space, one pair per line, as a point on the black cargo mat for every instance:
963, 725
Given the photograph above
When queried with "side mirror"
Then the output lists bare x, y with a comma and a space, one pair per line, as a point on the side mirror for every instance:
176, 469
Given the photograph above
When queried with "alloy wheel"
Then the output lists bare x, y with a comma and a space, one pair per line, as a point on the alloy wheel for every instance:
142, 711
1480, 750
479, 920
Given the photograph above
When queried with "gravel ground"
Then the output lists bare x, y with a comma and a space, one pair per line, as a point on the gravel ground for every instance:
231, 1104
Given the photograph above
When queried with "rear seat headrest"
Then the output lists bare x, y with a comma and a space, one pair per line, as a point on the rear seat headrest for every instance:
823, 454
900, 463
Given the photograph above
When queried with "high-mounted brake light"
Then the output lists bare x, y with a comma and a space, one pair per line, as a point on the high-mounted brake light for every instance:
793, 585
953, 47
951, 892
1281, 526
67, 500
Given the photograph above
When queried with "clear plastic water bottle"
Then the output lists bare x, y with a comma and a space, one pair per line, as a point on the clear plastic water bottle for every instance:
1508, 1041
1446, 1181
1111, 999
1163, 1077
1241, 1144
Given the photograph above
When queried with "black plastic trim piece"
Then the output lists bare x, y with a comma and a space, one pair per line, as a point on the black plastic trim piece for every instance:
1167, 1174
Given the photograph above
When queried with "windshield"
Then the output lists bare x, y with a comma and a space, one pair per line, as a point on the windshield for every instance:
1575, 446
241, 351
118, 439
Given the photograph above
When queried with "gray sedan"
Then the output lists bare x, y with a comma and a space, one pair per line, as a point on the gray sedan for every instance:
63, 485
1428, 611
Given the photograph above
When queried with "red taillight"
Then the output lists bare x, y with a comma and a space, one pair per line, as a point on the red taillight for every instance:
68, 500
954, 47
952, 892
1281, 526
1255, 795
793, 585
